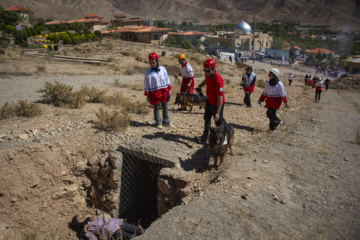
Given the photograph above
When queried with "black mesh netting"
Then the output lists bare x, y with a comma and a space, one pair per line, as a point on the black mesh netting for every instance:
138, 194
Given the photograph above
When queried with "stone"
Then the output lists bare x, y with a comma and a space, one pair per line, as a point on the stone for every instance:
23, 136
115, 158
245, 196
93, 169
80, 168
184, 181
94, 160
94, 176
68, 179
162, 208
346, 159
68, 192
165, 186
102, 161
334, 176
113, 184
183, 192
102, 180
86, 182
105, 171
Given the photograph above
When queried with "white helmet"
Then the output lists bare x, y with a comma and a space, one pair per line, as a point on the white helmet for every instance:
275, 72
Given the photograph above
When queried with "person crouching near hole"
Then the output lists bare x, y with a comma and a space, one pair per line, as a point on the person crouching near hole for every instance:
215, 98
248, 84
274, 94
318, 88
100, 228
158, 90
187, 84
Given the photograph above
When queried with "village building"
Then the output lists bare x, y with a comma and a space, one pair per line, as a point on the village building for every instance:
190, 35
24, 12
121, 21
92, 21
242, 37
143, 34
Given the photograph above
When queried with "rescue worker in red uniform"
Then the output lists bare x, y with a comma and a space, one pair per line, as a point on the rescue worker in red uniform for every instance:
158, 89
248, 84
187, 84
215, 98
274, 94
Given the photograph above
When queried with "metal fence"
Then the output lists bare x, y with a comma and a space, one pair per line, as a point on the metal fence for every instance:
138, 194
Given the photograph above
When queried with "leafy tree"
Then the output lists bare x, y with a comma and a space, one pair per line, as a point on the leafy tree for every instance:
186, 44
77, 26
21, 40
86, 31
208, 42
9, 17
98, 34
66, 39
170, 41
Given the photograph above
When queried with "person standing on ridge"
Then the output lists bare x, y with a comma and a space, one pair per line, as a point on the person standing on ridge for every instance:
158, 89
215, 98
248, 84
274, 93
187, 84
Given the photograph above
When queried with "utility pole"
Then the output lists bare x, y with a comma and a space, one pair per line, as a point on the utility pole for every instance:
253, 55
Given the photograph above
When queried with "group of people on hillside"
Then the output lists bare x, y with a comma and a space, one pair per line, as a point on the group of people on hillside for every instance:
158, 89
326, 71
317, 83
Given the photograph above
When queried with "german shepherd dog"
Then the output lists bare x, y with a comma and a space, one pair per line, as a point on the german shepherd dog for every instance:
220, 139
191, 100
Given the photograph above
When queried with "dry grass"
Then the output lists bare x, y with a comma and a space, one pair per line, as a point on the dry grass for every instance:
110, 59
2, 59
228, 90
237, 213
111, 121
40, 68
231, 74
21, 109
93, 95
261, 83
128, 107
61, 95
227, 81
128, 72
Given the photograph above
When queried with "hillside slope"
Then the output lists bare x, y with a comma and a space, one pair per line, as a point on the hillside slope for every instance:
340, 15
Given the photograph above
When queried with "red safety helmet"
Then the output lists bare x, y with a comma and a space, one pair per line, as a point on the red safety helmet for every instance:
210, 63
153, 56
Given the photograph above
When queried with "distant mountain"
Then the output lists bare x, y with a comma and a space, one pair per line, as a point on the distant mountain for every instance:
339, 14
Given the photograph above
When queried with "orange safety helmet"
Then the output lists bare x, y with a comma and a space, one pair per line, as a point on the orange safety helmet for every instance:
153, 56
209, 63
181, 56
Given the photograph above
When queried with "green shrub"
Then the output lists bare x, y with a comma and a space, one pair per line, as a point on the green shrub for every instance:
114, 121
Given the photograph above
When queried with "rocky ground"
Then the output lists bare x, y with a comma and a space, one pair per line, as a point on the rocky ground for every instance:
297, 183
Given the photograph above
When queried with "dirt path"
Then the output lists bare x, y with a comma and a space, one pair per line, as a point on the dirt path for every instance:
300, 182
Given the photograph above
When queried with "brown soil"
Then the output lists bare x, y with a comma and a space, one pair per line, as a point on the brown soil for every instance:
299, 183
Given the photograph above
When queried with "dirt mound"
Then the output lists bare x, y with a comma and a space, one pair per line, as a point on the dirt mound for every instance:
347, 81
